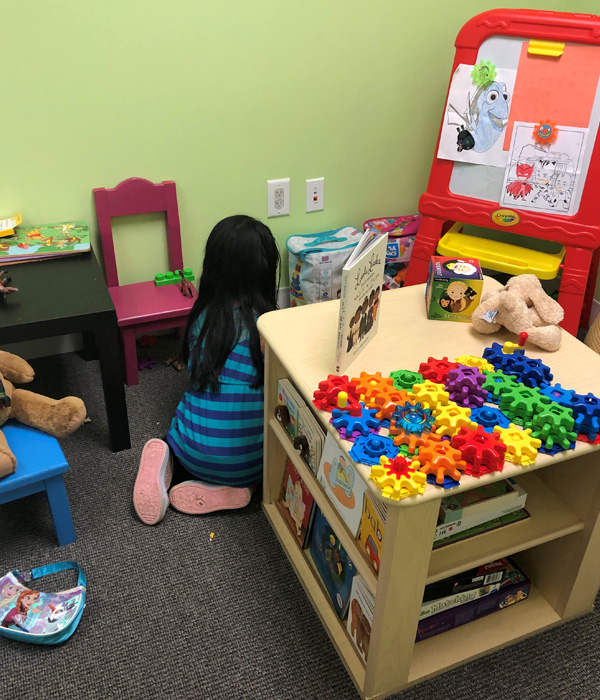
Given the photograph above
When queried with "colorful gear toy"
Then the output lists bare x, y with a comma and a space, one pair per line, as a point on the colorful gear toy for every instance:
413, 419
465, 386
450, 418
325, 397
372, 385
484, 452
405, 378
529, 371
430, 394
545, 133
358, 418
398, 478
586, 411
522, 403
488, 417
441, 459
521, 447
496, 356
483, 73
385, 407
436, 370
368, 450
473, 361
557, 394
408, 443
496, 383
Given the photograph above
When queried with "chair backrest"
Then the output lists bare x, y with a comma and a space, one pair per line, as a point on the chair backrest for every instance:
137, 196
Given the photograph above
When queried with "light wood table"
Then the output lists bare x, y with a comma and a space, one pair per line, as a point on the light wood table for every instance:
558, 546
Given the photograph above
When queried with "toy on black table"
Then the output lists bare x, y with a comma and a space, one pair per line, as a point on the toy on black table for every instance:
4, 282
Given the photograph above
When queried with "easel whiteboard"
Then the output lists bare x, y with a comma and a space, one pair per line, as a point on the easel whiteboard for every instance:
485, 182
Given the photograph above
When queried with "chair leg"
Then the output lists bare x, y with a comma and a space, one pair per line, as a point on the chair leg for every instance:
424, 247
573, 286
61, 512
130, 354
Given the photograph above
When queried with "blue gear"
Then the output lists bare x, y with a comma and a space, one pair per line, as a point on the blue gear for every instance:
449, 483
341, 418
529, 371
586, 411
488, 417
368, 450
413, 418
555, 448
557, 394
496, 356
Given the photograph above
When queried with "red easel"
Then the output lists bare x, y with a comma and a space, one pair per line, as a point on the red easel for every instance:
579, 233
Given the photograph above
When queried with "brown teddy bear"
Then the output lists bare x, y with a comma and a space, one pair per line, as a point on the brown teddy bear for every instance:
522, 305
57, 418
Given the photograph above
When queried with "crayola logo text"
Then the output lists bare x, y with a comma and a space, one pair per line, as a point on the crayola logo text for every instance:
505, 217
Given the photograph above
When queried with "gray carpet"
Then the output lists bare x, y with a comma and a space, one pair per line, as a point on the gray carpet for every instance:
171, 614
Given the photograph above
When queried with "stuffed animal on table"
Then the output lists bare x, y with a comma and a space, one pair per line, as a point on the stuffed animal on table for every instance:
522, 305
55, 417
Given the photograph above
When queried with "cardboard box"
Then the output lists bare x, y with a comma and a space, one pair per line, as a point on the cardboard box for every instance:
444, 530
514, 589
453, 289
490, 498
434, 607
478, 577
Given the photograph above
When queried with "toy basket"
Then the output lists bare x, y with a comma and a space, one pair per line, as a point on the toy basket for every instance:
401, 232
315, 264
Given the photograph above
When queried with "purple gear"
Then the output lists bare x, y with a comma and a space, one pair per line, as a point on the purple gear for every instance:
465, 386
368, 450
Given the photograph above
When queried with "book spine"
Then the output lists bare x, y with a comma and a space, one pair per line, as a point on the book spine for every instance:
342, 323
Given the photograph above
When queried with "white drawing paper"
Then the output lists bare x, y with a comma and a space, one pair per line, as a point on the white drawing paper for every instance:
543, 178
475, 118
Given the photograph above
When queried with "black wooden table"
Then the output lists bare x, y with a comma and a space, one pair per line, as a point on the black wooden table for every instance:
69, 295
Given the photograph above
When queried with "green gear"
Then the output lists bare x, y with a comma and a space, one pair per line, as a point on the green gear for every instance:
483, 73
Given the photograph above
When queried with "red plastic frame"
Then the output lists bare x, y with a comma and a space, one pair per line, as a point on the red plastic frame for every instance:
580, 233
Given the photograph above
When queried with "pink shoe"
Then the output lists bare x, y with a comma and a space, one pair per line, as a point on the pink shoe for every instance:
197, 498
150, 498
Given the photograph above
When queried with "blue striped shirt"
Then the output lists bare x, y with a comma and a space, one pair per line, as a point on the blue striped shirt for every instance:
218, 436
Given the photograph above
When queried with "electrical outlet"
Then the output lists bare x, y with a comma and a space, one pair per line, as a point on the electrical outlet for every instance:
278, 197
315, 194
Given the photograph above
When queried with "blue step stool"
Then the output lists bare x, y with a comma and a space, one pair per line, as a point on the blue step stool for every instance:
40, 466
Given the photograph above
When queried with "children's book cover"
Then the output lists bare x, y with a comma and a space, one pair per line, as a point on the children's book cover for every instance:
292, 403
342, 483
309, 429
372, 528
297, 504
45, 240
360, 616
333, 564
362, 285
25, 610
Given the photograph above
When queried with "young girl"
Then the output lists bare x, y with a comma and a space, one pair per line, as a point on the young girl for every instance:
213, 451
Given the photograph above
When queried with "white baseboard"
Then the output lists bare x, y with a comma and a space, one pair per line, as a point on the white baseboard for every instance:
284, 297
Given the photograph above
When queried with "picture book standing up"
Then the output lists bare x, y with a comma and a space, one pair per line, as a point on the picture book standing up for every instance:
362, 284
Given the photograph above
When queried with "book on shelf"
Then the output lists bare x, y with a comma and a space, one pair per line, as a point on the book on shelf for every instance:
289, 399
297, 504
515, 587
372, 528
362, 285
433, 607
467, 522
45, 241
503, 520
342, 483
332, 563
479, 576
312, 449
360, 616
483, 499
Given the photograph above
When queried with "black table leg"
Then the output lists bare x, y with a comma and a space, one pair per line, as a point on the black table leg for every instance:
109, 354
89, 351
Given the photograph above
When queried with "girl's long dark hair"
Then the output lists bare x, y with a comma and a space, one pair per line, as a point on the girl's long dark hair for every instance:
241, 268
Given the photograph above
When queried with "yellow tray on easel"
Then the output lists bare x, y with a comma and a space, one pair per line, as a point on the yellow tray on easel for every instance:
500, 257
7, 225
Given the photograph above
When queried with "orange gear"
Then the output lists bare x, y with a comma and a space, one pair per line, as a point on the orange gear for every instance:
441, 459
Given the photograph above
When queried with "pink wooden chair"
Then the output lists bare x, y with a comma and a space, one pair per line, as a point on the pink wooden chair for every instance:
142, 307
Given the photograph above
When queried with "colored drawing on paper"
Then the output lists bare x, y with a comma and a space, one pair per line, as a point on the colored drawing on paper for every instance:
562, 89
543, 178
475, 118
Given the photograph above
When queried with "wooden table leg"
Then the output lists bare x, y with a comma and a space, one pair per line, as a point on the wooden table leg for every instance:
109, 354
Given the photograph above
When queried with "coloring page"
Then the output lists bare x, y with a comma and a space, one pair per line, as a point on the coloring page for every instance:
476, 116
543, 177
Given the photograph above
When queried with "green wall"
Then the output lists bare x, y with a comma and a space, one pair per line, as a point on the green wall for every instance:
220, 96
